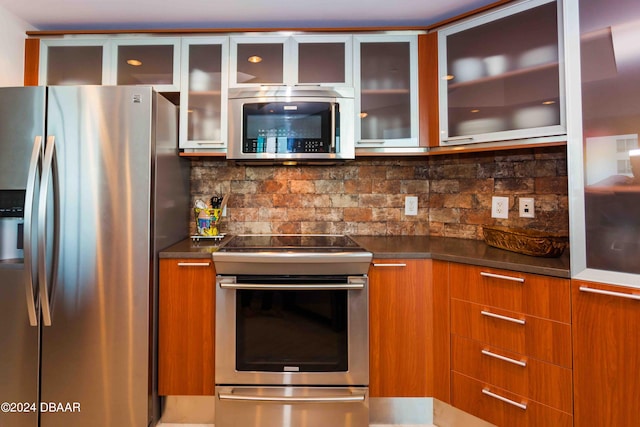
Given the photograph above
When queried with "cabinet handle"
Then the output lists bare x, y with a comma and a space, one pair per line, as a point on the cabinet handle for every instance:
193, 264
458, 139
504, 358
372, 141
209, 142
610, 293
522, 406
500, 276
390, 265
501, 317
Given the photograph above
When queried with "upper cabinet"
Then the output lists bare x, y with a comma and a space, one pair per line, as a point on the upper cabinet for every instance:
74, 62
111, 61
604, 150
386, 82
500, 77
149, 61
203, 94
290, 60
324, 60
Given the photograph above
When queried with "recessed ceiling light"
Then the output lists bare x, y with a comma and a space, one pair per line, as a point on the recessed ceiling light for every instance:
254, 59
448, 77
363, 115
134, 62
475, 111
548, 102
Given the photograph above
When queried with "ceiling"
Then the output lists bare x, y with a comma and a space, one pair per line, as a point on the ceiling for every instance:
187, 14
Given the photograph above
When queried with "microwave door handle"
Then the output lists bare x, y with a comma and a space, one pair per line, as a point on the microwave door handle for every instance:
49, 174
333, 125
34, 167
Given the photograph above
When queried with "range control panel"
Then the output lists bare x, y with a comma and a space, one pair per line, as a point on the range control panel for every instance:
12, 203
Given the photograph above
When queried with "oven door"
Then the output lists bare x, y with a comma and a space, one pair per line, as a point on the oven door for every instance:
292, 330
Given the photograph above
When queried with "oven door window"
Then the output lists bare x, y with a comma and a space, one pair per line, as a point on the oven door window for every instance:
291, 330
289, 127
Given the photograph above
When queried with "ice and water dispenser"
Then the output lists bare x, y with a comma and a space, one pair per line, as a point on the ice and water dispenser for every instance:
11, 224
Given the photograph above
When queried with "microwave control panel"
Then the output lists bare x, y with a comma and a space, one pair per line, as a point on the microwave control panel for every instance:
286, 145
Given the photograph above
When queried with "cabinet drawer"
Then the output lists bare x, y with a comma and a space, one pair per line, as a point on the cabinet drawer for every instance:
543, 382
536, 295
539, 338
503, 408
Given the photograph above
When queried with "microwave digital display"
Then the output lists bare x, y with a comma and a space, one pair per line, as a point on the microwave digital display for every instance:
290, 127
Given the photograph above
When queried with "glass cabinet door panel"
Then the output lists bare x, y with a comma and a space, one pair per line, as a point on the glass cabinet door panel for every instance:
321, 63
385, 96
205, 94
610, 60
260, 63
501, 75
74, 65
145, 65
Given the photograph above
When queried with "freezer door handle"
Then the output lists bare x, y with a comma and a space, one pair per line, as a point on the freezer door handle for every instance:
49, 175
34, 167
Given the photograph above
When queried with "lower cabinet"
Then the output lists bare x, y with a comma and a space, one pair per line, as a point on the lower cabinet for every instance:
186, 327
511, 346
400, 328
606, 343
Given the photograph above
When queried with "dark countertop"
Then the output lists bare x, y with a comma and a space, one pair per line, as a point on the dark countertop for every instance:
464, 251
190, 249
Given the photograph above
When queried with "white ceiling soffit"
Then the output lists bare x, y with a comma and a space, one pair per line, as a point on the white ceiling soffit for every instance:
164, 14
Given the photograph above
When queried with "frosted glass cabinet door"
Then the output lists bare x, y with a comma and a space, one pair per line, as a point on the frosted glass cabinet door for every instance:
257, 61
324, 60
203, 122
500, 77
610, 59
153, 62
295, 60
73, 62
387, 93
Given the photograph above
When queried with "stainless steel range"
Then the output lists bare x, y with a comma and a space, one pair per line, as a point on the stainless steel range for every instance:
292, 331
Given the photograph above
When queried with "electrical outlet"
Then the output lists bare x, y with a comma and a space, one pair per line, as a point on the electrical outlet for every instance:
527, 207
411, 205
499, 207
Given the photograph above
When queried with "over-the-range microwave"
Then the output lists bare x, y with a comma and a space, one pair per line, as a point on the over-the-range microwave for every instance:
291, 124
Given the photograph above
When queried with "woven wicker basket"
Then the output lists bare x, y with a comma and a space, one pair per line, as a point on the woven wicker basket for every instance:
525, 241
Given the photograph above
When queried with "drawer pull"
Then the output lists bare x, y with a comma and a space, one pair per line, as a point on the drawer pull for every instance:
193, 264
506, 359
390, 265
501, 317
500, 276
522, 406
610, 293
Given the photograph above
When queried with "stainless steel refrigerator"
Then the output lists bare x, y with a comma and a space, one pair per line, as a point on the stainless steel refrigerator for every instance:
91, 188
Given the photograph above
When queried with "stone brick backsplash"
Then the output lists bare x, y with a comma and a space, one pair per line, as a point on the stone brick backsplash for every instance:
366, 196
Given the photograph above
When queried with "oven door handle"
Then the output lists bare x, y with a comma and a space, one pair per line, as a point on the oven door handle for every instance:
292, 399
294, 287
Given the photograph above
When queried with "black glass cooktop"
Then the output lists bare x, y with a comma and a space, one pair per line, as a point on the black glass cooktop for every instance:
291, 242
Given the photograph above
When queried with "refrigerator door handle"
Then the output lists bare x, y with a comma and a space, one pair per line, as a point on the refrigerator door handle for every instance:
49, 174
34, 167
